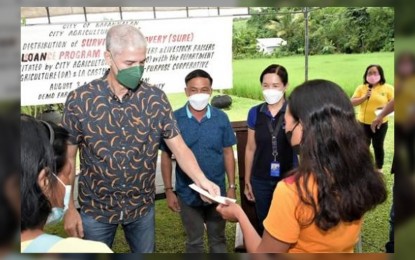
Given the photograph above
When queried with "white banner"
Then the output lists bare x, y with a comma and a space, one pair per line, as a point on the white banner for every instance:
56, 59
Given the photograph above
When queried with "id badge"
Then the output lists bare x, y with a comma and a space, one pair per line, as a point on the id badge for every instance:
275, 169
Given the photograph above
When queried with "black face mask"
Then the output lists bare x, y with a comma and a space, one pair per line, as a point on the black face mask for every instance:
289, 134
296, 149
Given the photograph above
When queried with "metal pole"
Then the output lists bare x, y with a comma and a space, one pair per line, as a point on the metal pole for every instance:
187, 11
86, 18
47, 12
154, 12
120, 8
306, 42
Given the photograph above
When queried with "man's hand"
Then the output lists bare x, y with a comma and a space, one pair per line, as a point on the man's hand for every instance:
172, 201
231, 193
248, 191
210, 187
73, 223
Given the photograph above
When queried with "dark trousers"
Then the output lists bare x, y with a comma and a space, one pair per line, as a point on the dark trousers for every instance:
377, 139
263, 190
194, 220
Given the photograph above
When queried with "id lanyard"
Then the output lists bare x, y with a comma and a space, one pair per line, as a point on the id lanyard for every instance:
275, 165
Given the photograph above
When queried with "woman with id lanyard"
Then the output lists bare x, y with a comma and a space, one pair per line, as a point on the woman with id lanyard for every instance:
268, 155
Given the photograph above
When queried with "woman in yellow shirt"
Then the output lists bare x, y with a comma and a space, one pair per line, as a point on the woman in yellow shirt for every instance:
320, 206
372, 96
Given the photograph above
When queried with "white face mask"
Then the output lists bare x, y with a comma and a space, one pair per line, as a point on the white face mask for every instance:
272, 96
57, 213
199, 101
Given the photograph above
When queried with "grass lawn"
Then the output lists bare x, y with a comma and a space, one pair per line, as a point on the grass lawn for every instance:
344, 69
347, 70
376, 223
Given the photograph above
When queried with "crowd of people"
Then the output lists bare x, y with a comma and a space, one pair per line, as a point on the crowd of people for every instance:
308, 166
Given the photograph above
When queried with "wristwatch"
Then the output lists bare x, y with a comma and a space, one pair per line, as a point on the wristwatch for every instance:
232, 186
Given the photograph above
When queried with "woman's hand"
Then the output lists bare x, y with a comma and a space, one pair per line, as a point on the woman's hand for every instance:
231, 211
376, 123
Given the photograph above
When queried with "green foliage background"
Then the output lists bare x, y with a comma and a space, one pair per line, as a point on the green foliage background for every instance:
331, 30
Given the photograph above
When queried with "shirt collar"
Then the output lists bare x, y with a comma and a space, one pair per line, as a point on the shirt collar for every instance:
190, 115
264, 109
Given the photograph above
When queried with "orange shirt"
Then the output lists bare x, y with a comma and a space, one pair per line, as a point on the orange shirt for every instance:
282, 224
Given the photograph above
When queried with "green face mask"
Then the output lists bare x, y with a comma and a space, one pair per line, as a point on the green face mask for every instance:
130, 77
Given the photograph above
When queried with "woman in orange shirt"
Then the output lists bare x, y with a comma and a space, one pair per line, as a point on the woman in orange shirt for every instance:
321, 204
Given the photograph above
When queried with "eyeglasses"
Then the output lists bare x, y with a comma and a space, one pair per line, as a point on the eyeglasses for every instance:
51, 132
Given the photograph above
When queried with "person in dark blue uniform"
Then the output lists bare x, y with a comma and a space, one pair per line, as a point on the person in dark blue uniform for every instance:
268, 155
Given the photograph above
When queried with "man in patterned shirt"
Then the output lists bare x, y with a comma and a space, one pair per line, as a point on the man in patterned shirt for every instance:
117, 122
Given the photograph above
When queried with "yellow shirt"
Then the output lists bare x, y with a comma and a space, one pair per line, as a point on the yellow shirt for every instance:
405, 101
381, 95
73, 245
282, 224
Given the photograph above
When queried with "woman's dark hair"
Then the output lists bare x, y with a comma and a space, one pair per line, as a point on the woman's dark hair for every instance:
381, 73
36, 154
277, 69
60, 145
333, 153
196, 74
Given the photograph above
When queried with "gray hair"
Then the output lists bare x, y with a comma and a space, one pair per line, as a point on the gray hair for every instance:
124, 35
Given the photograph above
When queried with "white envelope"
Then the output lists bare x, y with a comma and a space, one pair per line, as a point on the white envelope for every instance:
218, 199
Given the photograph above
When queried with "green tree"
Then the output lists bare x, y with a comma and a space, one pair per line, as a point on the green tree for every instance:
260, 20
326, 30
288, 24
358, 20
243, 42
381, 31
331, 30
